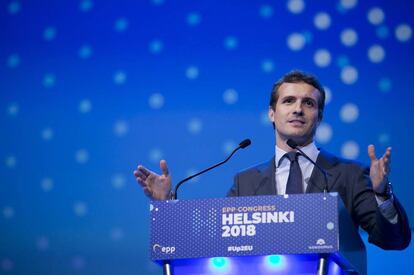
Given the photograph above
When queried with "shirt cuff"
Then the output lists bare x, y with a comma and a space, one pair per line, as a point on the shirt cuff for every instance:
387, 208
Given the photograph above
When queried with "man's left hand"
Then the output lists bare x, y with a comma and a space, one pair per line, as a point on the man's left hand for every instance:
380, 168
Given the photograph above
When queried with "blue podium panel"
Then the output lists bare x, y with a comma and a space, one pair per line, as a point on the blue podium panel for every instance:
245, 226
258, 265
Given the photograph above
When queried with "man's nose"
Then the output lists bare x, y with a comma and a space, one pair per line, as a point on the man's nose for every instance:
298, 108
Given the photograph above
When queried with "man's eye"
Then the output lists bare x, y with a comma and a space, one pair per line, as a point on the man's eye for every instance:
288, 100
309, 103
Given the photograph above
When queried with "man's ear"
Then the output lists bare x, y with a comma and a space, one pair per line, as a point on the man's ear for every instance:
270, 114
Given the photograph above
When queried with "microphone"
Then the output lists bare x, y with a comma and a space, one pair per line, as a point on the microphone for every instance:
292, 144
242, 145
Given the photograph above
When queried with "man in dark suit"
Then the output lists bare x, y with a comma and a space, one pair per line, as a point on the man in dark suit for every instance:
296, 109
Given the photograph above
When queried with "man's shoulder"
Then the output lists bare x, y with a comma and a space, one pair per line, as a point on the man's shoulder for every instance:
328, 160
257, 168
255, 180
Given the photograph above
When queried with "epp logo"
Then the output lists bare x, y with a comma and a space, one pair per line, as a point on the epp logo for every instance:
320, 242
163, 249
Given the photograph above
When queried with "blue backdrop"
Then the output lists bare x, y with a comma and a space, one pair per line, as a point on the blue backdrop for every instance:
89, 89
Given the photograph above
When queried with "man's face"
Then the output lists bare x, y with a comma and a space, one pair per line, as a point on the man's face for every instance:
296, 113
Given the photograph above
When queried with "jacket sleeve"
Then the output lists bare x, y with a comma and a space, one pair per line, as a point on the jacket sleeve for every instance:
366, 213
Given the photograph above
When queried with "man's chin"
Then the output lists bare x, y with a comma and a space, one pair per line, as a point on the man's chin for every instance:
298, 135
300, 138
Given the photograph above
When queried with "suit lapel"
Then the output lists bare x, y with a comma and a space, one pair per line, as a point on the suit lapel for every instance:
317, 181
266, 184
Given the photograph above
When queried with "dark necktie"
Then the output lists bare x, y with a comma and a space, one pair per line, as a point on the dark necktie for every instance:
295, 182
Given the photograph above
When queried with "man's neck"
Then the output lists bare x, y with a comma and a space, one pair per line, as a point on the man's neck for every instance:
281, 143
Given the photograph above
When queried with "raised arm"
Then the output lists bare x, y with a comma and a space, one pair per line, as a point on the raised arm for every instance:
380, 168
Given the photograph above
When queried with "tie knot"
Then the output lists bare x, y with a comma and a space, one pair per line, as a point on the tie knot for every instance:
292, 156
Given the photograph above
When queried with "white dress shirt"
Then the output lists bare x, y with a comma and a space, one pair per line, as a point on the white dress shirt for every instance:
283, 166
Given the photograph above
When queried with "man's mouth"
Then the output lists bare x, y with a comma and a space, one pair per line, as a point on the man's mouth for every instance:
296, 122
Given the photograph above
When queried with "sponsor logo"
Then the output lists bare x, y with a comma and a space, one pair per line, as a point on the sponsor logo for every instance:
240, 248
163, 249
320, 244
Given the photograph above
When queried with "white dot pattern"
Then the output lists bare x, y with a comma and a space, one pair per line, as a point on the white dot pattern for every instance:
231, 43
47, 134
328, 95
121, 128
322, 58
350, 150
229, 146
403, 32
91, 90
376, 16
349, 37
266, 11
200, 222
230, 96
80, 209
349, 113
349, 75
296, 6
376, 53
14, 7
267, 66
195, 126
322, 21
13, 61
192, 72
155, 155
13, 109
86, 5
82, 156
47, 184
324, 133
296, 41
348, 4
85, 106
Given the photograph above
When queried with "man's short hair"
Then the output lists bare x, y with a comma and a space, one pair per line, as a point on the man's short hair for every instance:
297, 76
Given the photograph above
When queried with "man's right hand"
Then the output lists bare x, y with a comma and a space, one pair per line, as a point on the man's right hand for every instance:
155, 186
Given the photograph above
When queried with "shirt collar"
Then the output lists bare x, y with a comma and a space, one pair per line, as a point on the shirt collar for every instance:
311, 150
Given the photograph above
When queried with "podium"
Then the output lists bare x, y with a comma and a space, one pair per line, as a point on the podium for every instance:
283, 234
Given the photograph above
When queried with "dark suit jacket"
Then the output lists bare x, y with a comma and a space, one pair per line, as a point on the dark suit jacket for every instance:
353, 184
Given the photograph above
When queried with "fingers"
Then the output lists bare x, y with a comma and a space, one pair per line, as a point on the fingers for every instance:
153, 184
371, 152
144, 170
372, 155
142, 174
386, 161
140, 177
387, 154
164, 168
